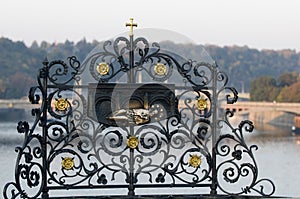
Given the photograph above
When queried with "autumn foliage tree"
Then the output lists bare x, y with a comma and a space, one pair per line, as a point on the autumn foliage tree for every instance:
285, 89
290, 93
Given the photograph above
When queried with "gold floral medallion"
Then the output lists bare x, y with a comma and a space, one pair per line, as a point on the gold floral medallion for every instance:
132, 142
61, 104
195, 161
160, 69
67, 163
103, 68
201, 104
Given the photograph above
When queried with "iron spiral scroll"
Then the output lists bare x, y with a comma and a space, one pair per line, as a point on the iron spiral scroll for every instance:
69, 146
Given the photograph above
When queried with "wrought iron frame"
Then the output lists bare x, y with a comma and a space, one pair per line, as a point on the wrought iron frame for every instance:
205, 156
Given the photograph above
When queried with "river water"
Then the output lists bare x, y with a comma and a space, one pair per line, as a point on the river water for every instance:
278, 156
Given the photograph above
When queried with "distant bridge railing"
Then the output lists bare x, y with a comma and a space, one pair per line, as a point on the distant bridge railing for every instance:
293, 108
16, 103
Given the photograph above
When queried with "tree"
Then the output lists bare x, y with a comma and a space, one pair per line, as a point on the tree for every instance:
288, 79
264, 89
2, 87
290, 93
18, 85
34, 45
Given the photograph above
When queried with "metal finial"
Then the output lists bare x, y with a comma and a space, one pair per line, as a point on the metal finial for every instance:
131, 25
45, 62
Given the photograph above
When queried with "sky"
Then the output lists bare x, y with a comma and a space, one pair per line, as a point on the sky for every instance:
261, 24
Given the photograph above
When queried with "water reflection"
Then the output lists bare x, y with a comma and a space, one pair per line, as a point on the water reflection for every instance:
268, 134
278, 157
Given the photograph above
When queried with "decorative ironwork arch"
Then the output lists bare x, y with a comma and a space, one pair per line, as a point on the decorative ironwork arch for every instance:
116, 132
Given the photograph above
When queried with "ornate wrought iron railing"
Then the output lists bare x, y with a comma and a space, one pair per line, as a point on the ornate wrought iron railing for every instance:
133, 116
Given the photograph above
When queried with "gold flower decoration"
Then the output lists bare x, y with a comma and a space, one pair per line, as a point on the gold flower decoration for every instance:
61, 104
67, 163
132, 142
160, 69
195, 161
103, 68
201, 104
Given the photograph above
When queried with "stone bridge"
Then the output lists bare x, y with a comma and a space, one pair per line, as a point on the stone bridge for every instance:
15, 103
293, 108
239, 107
266, 112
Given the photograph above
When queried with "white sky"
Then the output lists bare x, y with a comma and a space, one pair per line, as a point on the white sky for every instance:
262, 24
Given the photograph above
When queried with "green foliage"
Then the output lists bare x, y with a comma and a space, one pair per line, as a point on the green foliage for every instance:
19, 85
263, 89
285, 89
242, 64
288, 79
19, 64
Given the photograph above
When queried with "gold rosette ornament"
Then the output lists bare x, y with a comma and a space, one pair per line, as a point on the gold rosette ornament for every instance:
103, 68
195, 161
160, 69
67, 163
201, 104
61, 104
132, 142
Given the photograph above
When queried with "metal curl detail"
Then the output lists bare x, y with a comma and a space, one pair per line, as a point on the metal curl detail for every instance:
166, 134
231, 167
60, 73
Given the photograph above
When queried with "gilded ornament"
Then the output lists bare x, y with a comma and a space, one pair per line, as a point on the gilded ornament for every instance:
131, 25
195, 161
61, 104
67, 163
132, 142
103, 68
201, 104
160, 69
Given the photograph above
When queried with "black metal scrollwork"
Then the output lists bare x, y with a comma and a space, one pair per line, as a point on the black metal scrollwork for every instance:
29, 166
237, 166
153, 139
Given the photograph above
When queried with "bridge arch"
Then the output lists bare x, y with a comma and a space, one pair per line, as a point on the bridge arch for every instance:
282, 114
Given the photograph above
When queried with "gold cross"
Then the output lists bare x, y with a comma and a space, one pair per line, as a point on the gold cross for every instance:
131, 25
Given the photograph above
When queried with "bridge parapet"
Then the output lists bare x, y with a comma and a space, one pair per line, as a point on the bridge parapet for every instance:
263, 107
15, 103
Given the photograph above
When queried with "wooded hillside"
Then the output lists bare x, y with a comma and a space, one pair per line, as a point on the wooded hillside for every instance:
19, 64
